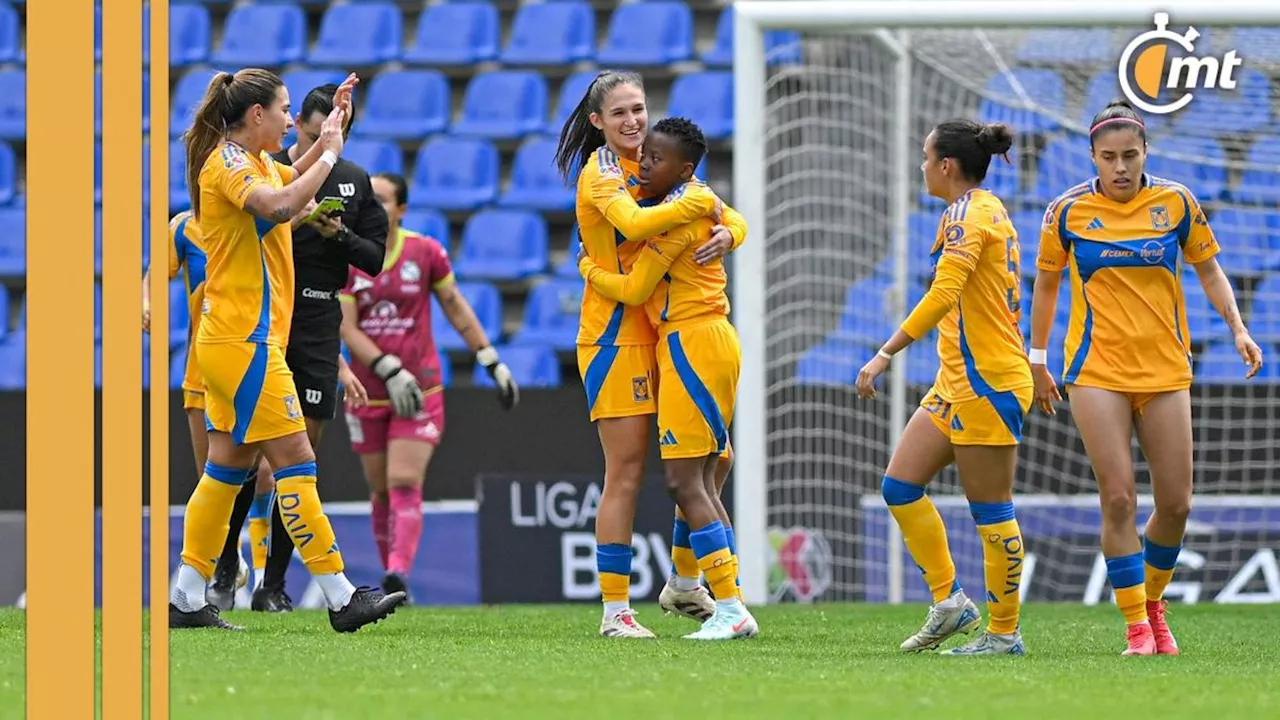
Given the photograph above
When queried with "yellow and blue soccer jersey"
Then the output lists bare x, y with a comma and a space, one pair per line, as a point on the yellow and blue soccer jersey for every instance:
187, 256
1128, 328
974, 301
249, 286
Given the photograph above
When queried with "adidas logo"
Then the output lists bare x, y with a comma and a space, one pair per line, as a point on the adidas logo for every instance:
668, 438
1094, 224
955, 423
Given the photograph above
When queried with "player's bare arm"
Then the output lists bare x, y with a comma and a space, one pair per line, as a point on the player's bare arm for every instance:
1044, 301
362, 347
146, 300
1218, 289
460, 315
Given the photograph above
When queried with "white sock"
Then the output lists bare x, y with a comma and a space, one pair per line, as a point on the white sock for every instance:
188, 592
686, 584
730, 604
613, 608
337, 589
258, 577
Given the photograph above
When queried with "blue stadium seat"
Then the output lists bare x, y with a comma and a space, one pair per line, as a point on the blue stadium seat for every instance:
8, 173
1003, 179
648, 34
1028, 224
571, 92
833, 361
177, 366
503, 245
568, 268
190, 35
485, 300
406, 105
97, 173
1104, 87
186, 96
707, 99
1245, 109
1220, 364
13, 104
146, 101
429, 223
301, 82
13, 361
1250, 240
365, 33
97, 311
4, 312
535, 181
1044, 88
455, 34
1203, 320
551, 34
179, 312
503, 105
1261, 45
922, 230
455, 174
532, 366
865, 318
13, 241
97, 32
1264, 312
1260, 181
263, 35
1064, 163
551, 314
1068, 46
1207, 179
446, 371
375, 156
179, 198
10, 35
97, 240
780, 46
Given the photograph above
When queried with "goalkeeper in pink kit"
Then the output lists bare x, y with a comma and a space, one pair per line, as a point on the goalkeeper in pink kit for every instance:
386, 323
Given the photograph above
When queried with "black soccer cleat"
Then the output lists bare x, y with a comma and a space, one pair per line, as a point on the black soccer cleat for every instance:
395, 582
221, 593
205, 617
272, 600
367, 606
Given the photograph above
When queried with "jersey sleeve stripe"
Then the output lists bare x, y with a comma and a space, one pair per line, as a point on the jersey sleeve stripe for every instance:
979, 384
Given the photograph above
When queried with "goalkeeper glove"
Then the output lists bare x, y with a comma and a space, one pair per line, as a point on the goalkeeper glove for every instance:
508, 393
402, 386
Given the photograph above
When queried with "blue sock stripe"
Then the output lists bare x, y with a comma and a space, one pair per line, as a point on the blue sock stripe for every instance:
1160, 556
991, 513
708, 540
680, 534
222, 473
261, 506
729, 538
613, 558
897, 492
306, 469
1126, 571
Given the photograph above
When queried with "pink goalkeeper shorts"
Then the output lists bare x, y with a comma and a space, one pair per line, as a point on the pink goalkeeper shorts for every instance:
371, 427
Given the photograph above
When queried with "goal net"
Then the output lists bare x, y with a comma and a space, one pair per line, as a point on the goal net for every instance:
827, 171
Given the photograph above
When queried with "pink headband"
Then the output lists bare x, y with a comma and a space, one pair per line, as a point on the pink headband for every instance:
1109, 121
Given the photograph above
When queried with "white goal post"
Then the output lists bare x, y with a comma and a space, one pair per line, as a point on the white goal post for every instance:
866, 162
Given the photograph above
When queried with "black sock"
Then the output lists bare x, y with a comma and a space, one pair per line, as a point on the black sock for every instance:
239, 511
280, 554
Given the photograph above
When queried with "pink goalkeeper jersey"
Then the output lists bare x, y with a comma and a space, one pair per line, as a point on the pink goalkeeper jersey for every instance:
394, 308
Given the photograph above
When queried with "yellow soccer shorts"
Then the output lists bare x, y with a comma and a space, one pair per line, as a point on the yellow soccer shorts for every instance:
192, 383
698, 370
192, 399
249, 391
619, 380
993, 420
1138, 401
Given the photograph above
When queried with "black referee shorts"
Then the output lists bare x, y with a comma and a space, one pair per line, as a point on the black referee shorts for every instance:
317, 383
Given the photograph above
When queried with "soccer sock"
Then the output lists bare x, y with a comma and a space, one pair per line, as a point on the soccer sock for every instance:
1160, 561
406, 505
1125, 574
613, 565
924, 535
204, 528
304, 518
737, 567
380, 516
279, 549
259, 527
711, 546
244, 500
1002, 555
683, 563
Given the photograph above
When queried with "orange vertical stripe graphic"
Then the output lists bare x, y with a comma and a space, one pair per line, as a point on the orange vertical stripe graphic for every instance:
121, 360
60, 276
1148, 69
159, 405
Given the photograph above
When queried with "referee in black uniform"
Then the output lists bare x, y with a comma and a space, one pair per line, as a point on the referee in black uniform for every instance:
321, 256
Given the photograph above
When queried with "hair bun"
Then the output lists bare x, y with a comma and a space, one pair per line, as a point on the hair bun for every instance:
995, 138
1120, 102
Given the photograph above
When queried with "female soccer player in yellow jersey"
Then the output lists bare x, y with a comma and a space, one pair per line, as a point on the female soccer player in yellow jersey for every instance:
602, 139
1128, 358
698, 360
244, 202
973, 414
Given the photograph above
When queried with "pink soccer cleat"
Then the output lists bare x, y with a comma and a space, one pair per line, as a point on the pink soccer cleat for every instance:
1165, 644
1141, 640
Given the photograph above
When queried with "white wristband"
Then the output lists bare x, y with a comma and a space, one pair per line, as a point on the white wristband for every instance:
1038, 357
884, 354
329, 157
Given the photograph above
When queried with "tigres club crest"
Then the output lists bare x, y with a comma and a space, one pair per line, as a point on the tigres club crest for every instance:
640, 388
1159, 218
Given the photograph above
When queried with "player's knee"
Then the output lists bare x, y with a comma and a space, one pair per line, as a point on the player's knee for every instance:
1119, 506
1175, 509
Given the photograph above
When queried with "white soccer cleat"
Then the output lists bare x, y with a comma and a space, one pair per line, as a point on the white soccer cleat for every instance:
696, 604
242, 575
956, 614
990, 644
623, 625
729, 622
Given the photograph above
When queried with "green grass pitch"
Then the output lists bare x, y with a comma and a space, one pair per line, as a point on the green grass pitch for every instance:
824, 661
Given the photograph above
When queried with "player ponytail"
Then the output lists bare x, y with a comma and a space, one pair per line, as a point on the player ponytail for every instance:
972, 144
1117, 115
220, 111
579, 138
